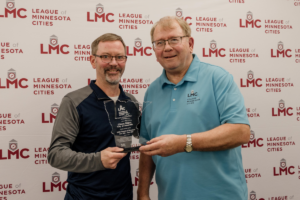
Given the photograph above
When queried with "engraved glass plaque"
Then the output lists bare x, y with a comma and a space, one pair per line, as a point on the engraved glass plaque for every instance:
124, 118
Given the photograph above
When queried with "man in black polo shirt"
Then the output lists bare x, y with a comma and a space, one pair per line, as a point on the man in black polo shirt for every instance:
82, 142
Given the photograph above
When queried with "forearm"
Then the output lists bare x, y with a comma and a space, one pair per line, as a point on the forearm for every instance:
146, 171
223, 137
62, 157
65, 130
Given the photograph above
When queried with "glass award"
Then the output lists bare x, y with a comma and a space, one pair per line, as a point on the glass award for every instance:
124, 118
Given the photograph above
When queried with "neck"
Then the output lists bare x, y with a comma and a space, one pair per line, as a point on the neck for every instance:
108, 89
176, 76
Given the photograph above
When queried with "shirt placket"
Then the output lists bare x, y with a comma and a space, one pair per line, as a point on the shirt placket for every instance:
174, 98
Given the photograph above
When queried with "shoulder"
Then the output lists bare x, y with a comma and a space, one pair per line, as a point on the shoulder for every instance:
212, 69
155, 85
77, 96
214, 73
130, 96
133, 99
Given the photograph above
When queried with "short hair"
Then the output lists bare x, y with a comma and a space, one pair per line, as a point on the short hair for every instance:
105, 38
166, 22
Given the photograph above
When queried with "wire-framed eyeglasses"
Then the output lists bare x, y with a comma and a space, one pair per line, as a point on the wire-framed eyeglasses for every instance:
160, 44
108, 58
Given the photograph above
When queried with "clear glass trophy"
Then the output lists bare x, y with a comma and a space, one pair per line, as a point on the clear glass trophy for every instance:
124, 118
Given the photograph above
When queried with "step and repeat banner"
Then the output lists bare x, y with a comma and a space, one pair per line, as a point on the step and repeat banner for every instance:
44, 54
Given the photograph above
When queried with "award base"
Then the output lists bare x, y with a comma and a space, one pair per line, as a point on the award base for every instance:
126, 150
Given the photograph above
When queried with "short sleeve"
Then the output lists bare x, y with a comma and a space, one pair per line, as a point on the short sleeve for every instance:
229, 99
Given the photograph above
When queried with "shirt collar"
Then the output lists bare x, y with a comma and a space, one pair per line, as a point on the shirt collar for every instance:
190, 76
102, 96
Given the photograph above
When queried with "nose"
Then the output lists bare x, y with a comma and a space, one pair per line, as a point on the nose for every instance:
113, 61
167, 46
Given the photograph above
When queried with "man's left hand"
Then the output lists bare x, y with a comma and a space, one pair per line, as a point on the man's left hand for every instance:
165, 145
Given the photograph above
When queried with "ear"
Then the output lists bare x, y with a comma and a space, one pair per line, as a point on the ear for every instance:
191, 44
92, 61
154, 53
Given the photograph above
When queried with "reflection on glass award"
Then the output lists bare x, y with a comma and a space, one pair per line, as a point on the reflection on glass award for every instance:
124, 118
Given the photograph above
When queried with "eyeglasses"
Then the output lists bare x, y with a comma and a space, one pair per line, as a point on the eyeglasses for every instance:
160, 44
108, 58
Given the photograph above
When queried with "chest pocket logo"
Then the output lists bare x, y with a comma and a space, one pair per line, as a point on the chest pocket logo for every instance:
192, 97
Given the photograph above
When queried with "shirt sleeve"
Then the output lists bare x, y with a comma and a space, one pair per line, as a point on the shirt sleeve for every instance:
65, 131
229, 99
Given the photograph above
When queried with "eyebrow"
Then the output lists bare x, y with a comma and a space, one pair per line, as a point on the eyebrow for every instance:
119, 54
166, 39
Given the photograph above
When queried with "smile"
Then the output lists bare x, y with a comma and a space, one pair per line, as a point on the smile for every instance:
112, 71
170, 56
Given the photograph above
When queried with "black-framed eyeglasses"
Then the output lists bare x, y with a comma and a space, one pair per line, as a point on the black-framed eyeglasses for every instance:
108, 58
160, 44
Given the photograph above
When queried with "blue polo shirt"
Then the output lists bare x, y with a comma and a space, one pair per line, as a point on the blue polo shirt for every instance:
205, 98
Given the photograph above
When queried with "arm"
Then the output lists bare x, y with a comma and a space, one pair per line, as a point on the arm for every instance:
60, 154
223, 137
233, 131
146, 171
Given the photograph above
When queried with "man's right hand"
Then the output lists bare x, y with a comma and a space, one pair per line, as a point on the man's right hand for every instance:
111, 156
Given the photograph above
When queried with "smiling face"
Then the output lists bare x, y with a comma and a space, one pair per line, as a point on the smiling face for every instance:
109, 73
176, 58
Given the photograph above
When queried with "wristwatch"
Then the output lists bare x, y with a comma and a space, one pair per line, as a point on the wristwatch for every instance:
188, 147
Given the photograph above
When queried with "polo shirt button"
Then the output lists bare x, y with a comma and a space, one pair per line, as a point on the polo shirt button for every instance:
173, 99
175, 88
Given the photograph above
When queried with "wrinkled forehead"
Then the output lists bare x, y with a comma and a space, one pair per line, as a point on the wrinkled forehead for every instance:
115, 47
166, 29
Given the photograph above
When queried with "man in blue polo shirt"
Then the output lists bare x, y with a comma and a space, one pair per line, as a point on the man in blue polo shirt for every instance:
196, 123
82, 141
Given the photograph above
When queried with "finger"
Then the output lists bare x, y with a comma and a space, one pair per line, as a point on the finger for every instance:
153, 153
116, 149
145, 148
150, 147
155, 139
118, 156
